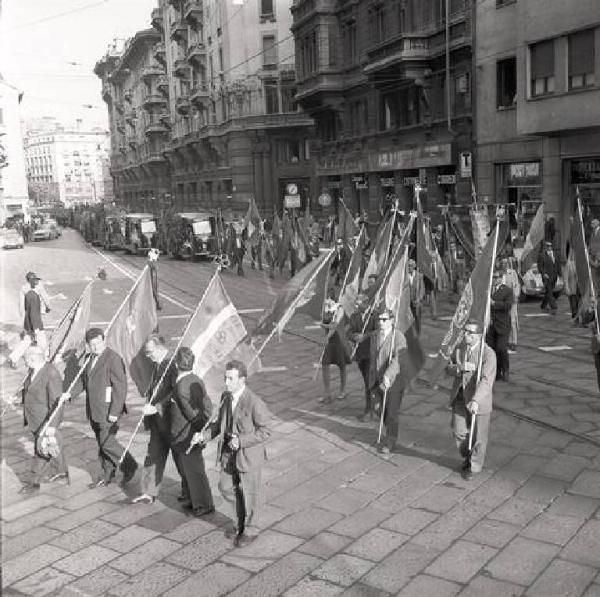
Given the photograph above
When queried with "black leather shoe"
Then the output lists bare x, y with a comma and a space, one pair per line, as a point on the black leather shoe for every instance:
242, 539
144, 499
505, 376
469, 475
183, 498
231, 531
29, 488
466, 465
98, 483
198, 512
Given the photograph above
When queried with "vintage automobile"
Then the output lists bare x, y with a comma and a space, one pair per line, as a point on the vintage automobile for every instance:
12, 239
192, 236
140, 233
114, 232
47, 231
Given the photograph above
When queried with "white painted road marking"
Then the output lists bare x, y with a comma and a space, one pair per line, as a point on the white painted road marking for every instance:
312, 327
107, 291
244, 311
555, 348
537, 315
273, 369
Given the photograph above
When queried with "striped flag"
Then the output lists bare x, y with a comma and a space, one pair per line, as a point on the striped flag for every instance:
380, 252
252, 222
533, 241
350, 288
216, 334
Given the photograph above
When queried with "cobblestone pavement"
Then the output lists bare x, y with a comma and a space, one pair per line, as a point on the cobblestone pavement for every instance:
338, 520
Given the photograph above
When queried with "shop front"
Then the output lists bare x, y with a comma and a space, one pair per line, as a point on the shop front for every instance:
583, 174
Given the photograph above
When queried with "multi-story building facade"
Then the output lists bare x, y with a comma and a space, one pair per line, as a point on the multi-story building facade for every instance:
216, 118
13, 180
388, 83
65, 165
538, 98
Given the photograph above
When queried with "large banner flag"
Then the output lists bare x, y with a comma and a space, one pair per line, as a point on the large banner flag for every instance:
582, 260
252, 222
425, 259
397, 298
296, 293
135, 320
69, 336
380, 253
533, 241
216, 334
300, 242
287, 238
312, 304
351, 284
480, 223
347, 229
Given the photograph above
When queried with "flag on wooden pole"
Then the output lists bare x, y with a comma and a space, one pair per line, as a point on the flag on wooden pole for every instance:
533, 241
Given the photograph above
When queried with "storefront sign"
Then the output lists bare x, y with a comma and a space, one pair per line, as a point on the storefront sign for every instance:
585, 171
335, 184
325, 199
466, 166
361, 186
446, 179
358, 178
292, 201
410, 181
387, 182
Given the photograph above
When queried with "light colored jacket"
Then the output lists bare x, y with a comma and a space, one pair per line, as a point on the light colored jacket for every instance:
570, 277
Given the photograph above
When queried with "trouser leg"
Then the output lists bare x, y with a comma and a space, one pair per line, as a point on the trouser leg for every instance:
40, 465
19, 350
185, 490
249, 484
480, 440
110, 451
342, 379
502, 352
229, 486
391, 417
363, 366
326, 373
197, 481
155, 462
460, 427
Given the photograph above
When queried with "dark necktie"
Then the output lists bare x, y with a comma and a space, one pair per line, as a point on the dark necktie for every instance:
228, 412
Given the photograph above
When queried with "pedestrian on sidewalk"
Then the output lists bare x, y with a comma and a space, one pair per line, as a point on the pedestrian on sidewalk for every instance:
500, 325
548, 268
33, 300
104, 380
190, 411
417, 293
336, 350
156, 421
41, 394
511, 279
243, 427
471, 397
570, 285
387, 381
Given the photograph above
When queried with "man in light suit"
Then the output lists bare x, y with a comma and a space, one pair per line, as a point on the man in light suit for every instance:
386, 376
417, 293
41, 394
243, 427
471, 397
105, 383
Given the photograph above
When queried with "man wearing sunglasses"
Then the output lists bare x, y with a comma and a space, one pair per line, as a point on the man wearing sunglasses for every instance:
471, 397
386, 376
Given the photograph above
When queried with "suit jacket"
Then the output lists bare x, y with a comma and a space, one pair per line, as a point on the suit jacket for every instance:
189, 411
500, 311
549, 267
162, 399
108, 372
381, 364
478, 392
594, 248
355, 326
40, 396
252, 424
417, 288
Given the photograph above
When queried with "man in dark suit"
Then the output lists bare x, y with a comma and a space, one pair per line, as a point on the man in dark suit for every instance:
340, 262
470, 397
500, 324
105, 383
243, 426
157, 422
386, 376
41, 394
548, 267
417, 293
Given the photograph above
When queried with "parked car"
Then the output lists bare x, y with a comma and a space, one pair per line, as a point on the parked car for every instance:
47, 231
12, 239
140, 232
532, 284
192, 236
54, 223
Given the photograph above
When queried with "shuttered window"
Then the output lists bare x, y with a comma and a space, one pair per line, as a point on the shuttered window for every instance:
581, 59
541, 57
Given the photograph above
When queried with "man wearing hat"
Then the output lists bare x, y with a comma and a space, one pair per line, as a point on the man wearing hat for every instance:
500, 325
32, 300
548, 267
417, 292
472, 397
104, 380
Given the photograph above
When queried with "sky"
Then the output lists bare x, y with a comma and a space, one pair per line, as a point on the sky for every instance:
50, 55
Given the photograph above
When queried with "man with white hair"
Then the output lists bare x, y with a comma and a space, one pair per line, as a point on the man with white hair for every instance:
41, 395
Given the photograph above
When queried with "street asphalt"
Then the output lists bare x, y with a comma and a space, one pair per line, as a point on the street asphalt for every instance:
337, 518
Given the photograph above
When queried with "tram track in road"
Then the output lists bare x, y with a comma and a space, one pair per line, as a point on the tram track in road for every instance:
165, 279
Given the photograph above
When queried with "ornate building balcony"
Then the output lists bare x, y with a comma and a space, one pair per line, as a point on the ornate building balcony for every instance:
121, 126
182, 105
132, 142
163, 85
107, 91
131, 118
409, 53
179, 31
165, 118
156, 127
128, 95
157, 19
119, 107
152, 70
153, 99
196, 54
192, 13
181, 68
159, 53
199, 95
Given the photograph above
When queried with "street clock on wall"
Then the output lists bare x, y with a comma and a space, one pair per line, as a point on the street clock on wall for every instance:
292, 189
